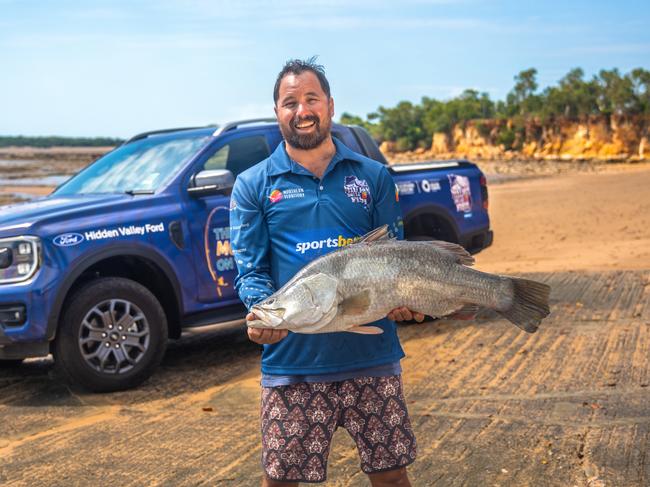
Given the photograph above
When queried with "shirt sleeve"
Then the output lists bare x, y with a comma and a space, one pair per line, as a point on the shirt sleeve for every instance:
386, 210
250, 244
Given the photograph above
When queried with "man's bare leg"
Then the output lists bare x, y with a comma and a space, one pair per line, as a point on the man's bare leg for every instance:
392, 478
267, 482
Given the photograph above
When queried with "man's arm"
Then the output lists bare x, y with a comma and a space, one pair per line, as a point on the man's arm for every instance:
387, 211
250, 245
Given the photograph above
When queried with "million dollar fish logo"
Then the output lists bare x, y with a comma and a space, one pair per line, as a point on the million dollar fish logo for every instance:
357, 190
275, 196
222, 248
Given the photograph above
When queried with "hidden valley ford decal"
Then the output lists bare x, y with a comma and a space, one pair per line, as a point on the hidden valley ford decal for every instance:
71, 239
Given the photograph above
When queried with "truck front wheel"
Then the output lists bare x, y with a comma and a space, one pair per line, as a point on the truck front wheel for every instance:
112, 335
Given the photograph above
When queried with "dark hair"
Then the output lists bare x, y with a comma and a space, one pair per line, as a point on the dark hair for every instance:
298, 66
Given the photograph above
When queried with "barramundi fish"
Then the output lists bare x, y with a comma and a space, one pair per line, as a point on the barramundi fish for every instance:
362, 282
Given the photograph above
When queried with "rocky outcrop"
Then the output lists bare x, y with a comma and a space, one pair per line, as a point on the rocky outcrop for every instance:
597, 139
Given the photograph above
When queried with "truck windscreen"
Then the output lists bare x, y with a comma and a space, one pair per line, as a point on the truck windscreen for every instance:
140, 166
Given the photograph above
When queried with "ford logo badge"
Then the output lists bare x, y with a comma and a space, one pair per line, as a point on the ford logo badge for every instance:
68, 239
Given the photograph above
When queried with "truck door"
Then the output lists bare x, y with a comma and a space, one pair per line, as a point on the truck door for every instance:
208, 217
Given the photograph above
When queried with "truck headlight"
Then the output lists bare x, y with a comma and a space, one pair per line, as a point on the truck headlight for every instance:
19, 258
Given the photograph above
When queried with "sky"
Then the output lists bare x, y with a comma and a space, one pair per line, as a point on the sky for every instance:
116, 68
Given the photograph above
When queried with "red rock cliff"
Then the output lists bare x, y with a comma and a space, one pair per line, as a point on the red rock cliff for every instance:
597, 139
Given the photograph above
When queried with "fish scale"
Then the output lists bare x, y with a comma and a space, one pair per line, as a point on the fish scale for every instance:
378, 274
419, 276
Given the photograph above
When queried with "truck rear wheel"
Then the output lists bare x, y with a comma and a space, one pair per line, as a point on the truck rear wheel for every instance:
112, 335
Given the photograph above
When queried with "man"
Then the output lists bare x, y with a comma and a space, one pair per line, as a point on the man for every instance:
314, 189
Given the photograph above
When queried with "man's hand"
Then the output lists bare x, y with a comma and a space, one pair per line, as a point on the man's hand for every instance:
264, 335
405, 314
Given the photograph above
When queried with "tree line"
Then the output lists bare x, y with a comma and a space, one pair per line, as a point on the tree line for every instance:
574, 98
57, 141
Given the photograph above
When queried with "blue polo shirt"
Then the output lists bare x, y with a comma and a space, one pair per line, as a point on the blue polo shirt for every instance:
281, 218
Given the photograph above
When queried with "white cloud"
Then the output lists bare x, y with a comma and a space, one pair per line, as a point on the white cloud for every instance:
610, 49
443, 91
353, 22
315, 13
171, 41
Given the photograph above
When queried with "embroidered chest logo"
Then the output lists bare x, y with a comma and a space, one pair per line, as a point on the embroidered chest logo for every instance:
357, 190
275, 196
286, 194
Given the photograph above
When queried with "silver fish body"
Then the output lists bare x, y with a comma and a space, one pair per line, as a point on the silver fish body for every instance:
362, 283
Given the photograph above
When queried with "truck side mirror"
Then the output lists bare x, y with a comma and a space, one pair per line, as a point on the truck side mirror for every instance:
211, 182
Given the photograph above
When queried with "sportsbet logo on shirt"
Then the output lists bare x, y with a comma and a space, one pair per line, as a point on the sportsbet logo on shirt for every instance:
330, 243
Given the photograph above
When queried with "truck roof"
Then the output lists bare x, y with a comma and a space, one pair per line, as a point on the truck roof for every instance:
212, 129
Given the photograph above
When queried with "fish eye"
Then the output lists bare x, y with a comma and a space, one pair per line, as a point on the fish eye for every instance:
270, 301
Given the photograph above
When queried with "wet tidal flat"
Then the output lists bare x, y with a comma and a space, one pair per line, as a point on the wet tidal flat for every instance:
490, 404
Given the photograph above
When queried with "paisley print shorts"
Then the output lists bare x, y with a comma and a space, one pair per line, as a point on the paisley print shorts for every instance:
299, 420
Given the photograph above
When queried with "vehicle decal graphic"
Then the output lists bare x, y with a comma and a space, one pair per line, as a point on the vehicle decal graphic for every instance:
460, 192
223, 260
68, 239
430, 185
406, 188
126, 231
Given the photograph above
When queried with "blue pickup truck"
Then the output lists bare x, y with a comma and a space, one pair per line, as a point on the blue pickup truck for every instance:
135, 248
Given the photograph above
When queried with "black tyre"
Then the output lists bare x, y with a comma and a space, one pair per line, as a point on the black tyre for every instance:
112, 335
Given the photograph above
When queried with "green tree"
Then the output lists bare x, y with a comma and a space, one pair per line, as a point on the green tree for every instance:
521, 99
640, 79
412, 125
616, 93
402, 124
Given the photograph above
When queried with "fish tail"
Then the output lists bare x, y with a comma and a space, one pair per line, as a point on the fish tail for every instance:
529, 305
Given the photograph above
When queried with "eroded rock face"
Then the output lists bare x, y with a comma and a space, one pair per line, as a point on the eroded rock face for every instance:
597, 139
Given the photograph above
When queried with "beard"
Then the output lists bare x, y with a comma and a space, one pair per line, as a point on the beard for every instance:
306, 141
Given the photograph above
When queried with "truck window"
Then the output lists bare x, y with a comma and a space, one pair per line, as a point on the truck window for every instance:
239, 154
369, 145
347, 139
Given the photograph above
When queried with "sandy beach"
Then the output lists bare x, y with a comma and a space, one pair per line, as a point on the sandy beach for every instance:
490, 404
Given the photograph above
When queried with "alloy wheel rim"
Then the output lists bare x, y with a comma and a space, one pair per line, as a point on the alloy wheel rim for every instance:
114, 336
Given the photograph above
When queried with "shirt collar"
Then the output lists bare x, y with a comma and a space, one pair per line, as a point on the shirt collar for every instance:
281, 163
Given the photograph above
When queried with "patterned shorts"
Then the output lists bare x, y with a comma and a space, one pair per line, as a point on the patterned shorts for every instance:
299, 420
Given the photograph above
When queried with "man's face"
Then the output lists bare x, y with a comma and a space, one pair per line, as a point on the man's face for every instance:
304, 111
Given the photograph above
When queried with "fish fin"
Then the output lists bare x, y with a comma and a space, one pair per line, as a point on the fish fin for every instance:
379, 233
366, 330
310, 329
467, 312
322, 323
530, 304
458, 252
356, 304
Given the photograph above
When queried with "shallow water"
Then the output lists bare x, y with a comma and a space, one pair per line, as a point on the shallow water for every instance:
54, 180
21, 163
